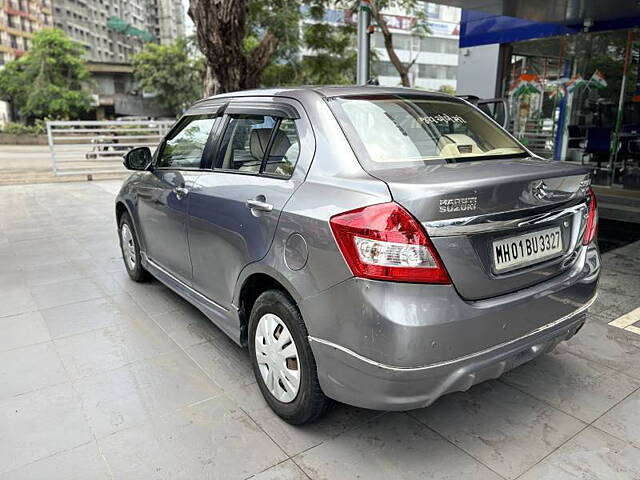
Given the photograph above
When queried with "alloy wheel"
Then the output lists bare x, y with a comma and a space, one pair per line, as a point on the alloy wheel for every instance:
128, 246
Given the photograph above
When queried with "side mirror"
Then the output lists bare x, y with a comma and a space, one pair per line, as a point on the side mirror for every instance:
138, 159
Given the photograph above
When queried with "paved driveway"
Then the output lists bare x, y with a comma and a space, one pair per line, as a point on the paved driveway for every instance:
104, 378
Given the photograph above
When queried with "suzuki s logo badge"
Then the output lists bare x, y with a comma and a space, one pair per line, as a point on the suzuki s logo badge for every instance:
540, 191
464, 204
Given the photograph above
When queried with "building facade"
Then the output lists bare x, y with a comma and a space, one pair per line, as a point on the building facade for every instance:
114, 30
435, 56
19, 19
170, 22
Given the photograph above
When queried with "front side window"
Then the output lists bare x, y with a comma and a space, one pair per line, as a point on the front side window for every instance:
183, 149
395, 129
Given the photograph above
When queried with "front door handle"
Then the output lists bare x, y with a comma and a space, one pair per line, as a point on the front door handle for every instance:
259, 204
180, 192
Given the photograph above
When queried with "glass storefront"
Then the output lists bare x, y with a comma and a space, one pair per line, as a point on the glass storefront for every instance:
565, 95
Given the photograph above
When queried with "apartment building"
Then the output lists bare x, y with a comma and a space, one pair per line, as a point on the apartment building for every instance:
19, 19
170, 22
113, 30
435, 56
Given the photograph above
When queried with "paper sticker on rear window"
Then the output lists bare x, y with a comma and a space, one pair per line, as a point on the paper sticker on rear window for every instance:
441, 118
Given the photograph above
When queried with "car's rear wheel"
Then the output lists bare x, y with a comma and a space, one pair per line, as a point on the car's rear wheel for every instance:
282, 359
130, 248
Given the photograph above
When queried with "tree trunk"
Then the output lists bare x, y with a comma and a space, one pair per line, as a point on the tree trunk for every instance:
403, 70
220, 30
210, 82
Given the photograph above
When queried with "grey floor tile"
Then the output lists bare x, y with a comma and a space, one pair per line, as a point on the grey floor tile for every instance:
505, 429
225, 362
591, 454
16, 299
48, 274
81, 463
31, 232
111, 347
575, 385
213, 439
619, 262
9, 262
74, 318
22, 330
128, 306
38, 259
40, 424
29, 368
62, 293
11, 278
608, 346
188, 326
287, 470
131, 395
391, 446
109, 284
623, 421
610, 306
295, 439
155, 299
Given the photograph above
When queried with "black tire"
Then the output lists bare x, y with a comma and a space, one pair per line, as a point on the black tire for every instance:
137, 273
310, 403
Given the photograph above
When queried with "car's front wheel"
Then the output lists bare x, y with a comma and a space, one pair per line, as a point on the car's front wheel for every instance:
130, 248
282, 359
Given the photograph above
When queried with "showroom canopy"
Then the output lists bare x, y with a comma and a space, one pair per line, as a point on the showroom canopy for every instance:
502, 21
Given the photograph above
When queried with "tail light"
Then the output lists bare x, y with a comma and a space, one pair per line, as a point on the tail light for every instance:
592, 219
384, 242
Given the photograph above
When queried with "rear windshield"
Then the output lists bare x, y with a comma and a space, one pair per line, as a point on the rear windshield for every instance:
394, 129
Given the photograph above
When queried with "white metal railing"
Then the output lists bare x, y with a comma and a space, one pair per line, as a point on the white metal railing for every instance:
93, 147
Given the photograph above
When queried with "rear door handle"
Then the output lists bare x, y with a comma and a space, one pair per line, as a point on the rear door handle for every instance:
259, 205
180, 192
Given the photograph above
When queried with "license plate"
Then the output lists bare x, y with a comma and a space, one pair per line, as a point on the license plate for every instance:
521, 250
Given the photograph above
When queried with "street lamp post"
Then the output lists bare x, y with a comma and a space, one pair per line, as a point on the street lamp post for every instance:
362, 74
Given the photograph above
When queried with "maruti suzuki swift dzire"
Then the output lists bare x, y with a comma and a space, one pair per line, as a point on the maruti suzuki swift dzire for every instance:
376, 246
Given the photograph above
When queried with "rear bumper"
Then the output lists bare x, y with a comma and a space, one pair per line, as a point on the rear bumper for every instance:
385, 345
360, 381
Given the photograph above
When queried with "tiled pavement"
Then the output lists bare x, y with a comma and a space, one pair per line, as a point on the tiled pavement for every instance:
104, 378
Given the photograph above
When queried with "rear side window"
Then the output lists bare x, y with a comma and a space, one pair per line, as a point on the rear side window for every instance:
395, 129
284, 150
183, 149
259, 144
244, 142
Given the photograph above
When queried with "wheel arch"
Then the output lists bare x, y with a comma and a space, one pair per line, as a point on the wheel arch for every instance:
122, 207
254, 281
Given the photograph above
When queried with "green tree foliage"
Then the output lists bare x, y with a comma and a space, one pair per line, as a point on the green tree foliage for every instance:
249, 43
172, 71
421, 29
331, 58
47, 82
447, 89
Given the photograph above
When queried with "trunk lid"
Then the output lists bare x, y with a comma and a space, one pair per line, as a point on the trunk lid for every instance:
467, 206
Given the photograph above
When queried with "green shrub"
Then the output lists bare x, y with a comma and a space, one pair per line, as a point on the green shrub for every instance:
15, 128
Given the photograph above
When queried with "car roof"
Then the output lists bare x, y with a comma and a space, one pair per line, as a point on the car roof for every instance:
328, 91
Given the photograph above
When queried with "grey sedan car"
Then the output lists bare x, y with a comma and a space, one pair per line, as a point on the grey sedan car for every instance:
375, 246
